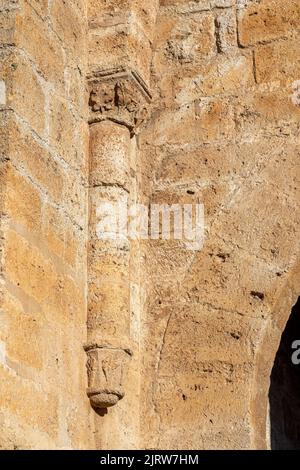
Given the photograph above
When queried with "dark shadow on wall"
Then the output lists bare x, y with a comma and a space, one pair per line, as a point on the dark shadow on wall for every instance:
284, 395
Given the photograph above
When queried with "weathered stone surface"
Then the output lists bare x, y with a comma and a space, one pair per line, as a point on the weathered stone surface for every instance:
225, 132
138, 101
125, 28
105, 372
110, 157
30, 31
42, 232
267, 20
119, 95
277, 61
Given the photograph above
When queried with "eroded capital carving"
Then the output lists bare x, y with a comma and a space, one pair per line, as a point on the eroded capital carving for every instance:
119, 95
106, 369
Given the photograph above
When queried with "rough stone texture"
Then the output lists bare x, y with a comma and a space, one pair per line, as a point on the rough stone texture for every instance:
43, 171
224, 129
199, 330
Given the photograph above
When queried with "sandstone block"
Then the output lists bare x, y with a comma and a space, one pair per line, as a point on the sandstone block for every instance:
183, 45
70, 27
38, 279
7, 27
267, 20
138, 13
25, 346
23, 200
40, 6
109, 155
109, 302
124, 42
31, 30
29, 404
31, 157
277, 62
31, 106
66, 132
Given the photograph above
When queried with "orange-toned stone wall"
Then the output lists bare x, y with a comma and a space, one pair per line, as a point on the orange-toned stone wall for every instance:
43, 168
222, 128
224, 131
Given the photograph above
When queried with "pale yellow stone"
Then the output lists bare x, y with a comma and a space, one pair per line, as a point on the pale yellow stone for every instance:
170, 102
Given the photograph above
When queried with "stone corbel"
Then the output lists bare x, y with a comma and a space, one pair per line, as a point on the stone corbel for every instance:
119, 95
106, 368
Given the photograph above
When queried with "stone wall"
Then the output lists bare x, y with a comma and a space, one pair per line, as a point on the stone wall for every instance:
224, 131
222, 128
43, 168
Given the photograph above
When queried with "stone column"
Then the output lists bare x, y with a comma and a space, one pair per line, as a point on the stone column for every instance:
118, 105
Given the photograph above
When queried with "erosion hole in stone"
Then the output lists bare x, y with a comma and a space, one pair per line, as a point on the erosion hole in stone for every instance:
284, 394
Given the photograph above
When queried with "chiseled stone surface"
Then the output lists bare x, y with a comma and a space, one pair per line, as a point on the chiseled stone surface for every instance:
170, 101
43, 172
224, 131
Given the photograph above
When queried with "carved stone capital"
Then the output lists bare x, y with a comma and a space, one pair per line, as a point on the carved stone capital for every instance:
119, 95
106, 367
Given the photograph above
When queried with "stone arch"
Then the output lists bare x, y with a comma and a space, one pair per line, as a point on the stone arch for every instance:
265, 356
284, 393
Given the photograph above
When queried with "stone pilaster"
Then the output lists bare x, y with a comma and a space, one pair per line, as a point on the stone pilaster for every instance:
118, 106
